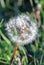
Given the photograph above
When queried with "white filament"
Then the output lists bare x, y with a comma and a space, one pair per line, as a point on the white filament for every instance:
18, 24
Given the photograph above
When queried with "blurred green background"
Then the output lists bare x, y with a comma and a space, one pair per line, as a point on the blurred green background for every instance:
31, 54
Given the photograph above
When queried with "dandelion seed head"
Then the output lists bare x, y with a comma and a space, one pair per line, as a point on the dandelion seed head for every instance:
25, 28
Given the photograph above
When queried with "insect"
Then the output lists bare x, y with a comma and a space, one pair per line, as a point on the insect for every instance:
25, 28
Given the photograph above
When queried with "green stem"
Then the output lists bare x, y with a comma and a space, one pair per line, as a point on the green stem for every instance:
4, 37
4, 62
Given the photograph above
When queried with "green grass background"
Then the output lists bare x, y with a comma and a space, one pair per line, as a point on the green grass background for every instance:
31, 54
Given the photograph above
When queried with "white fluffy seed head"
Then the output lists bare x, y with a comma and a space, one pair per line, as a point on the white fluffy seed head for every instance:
25, 29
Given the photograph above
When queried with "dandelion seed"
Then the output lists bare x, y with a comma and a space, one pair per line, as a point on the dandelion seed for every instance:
25, 28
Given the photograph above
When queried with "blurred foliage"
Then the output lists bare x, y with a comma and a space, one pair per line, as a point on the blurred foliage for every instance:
31, 54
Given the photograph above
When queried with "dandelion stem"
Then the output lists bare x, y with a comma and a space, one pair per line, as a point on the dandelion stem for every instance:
14, 53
